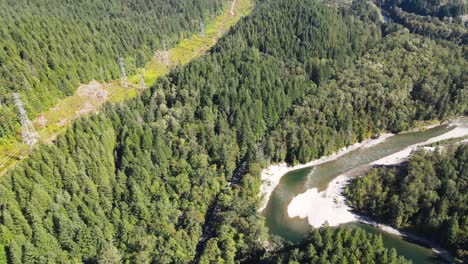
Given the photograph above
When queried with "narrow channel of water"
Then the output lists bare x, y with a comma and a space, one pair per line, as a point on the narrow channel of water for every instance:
384, 18
298, 181
414, 252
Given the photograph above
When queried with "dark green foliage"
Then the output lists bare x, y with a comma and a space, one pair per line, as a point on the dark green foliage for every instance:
341, 245
48, 47
294, 31
135, 182
428, 194
431, 26
452, 8
401, 79
430, 18
295, 80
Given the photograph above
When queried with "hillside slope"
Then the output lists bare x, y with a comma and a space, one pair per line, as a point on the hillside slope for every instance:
47, 48
292, 81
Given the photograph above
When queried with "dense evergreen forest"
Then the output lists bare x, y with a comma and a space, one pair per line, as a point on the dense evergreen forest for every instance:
402, 78
439, 8
47, 48
428, 195
293, 81
431, 18
341, 245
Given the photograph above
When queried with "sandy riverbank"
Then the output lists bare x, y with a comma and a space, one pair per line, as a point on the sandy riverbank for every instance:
329, 205
398, 157
445, 254
272, 175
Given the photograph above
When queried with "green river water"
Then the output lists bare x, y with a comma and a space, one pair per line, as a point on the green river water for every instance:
298, 181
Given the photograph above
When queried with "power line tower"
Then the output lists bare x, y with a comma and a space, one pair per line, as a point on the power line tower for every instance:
142, 82
28, 132
165, 53
122, 71
202, 29
101, 71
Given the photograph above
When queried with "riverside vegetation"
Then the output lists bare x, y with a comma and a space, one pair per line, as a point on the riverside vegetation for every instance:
341, 245
427, 195
431, 18
293, 81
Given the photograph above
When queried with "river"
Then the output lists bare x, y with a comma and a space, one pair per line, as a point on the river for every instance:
383, 17
301, 181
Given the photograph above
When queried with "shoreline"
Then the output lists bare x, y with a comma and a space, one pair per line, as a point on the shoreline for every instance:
403, 155
330, 204
326, 207
271, 176
443, 253
330, 207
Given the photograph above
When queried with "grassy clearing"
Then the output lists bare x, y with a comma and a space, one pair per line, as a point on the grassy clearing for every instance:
70, 108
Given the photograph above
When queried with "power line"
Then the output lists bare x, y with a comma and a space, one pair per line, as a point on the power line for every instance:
202, 29
165, 53
12, 153
142, 82
28, 132
6, 110
122, 71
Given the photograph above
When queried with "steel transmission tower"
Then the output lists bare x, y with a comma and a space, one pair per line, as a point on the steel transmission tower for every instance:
28, 132
122, 71
142, 82
202, 29
165, 53
101, 71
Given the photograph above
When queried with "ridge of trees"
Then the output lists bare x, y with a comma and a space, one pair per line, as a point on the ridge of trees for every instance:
134, 182
401, 79
47, 48
445, 24
436, 8
427, 195
340, 245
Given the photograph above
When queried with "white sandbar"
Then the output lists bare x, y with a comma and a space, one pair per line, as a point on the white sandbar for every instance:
327, 207
272, 175
398, 157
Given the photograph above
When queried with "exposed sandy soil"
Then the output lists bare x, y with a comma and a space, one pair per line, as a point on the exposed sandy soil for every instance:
326, 207
459, 131
329, 206
93, 91
272, 175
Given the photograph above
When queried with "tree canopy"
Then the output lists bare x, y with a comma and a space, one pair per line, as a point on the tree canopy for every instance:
428, 195
47, 48
341, 245
293, 81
